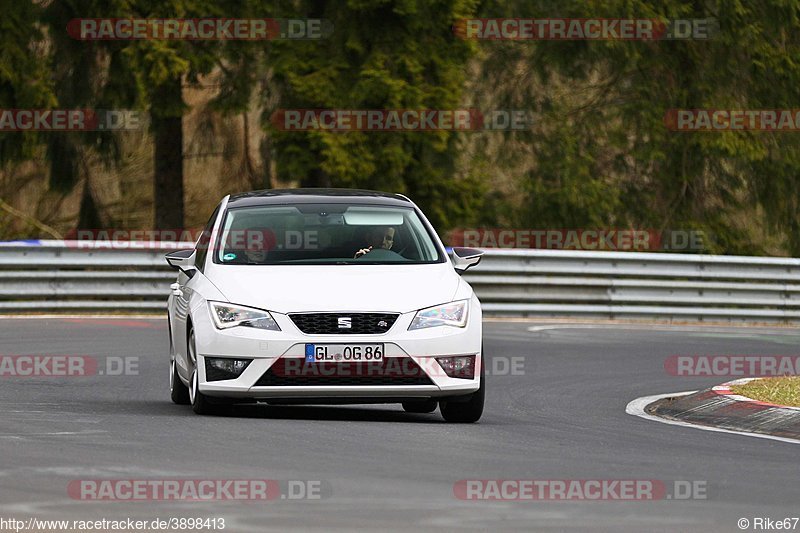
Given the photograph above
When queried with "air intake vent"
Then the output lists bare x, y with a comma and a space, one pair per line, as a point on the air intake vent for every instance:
344, 323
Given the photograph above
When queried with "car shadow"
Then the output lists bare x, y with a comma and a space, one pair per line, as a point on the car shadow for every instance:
165, 408
325, 412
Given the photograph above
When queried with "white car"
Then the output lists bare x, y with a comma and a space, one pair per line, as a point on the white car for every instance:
325, 296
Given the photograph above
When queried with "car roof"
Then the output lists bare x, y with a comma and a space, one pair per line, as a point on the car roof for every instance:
317, 196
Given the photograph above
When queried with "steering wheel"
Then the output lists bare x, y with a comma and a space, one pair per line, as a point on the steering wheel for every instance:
381, 254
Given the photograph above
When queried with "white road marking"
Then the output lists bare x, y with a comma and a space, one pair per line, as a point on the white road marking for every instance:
54, 433
636, 408
154, 316
667, 328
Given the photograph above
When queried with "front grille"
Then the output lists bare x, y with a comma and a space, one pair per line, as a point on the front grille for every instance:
390, 371
329, 323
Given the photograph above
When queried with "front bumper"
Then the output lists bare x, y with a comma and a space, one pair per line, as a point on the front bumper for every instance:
274, 349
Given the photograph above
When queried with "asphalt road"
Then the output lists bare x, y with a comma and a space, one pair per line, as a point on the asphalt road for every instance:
560, 417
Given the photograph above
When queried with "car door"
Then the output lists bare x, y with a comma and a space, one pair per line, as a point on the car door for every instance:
183, 295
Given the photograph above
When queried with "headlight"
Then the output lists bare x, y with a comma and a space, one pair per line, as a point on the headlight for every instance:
229, 315
452, 314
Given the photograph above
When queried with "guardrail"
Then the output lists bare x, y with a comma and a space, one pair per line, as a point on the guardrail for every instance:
48, 276
638, 285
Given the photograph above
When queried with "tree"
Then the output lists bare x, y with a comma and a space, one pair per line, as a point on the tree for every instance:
24, 84
602, 154
381, 55
148, 74
25, 65
86, 75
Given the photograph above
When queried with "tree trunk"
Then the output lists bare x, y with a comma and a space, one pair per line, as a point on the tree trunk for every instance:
167, 119
63, 153
265, 147
247, 168
88, 215
316, 178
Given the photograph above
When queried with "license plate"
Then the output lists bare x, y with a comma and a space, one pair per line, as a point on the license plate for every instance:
318, 353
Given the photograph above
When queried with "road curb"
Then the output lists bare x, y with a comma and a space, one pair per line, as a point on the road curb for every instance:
717, 407
725, 390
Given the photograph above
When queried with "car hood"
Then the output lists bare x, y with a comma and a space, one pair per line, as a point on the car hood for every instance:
299, 288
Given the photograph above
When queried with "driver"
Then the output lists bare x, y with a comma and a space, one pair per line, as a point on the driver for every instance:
255, 255
259, 241
378, 237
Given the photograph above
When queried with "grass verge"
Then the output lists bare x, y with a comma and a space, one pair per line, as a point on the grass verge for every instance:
781, 391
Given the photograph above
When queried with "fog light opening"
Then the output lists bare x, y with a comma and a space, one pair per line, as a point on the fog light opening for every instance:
219, 368
458, 366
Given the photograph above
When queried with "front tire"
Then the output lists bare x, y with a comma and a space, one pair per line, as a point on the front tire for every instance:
199, 401
177, 390
469, 411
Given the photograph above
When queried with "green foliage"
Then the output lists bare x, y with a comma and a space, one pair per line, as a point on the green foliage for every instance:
24, 73
606, 156
382, 55
599, 155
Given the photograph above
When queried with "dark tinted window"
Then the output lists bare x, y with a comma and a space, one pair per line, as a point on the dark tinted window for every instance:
203, 242
324, 234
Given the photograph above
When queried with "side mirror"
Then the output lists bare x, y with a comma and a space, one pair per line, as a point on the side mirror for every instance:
183, 260
463, 258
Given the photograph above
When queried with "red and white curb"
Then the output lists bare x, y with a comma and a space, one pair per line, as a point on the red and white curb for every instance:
725, 390
637, 408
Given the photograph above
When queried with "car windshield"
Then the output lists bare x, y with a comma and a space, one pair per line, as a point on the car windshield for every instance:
333, 233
